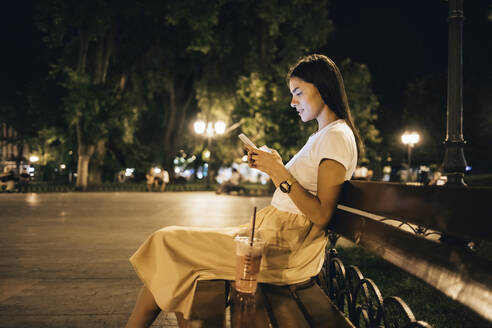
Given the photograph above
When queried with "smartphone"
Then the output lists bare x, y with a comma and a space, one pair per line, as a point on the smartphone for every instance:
247, 141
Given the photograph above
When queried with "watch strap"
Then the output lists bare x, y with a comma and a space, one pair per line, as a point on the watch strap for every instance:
289, 182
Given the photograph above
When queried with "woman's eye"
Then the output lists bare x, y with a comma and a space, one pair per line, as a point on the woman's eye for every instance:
299, 94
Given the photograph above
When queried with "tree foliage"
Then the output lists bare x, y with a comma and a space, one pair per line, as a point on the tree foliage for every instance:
364, 106
134, 76
282, 32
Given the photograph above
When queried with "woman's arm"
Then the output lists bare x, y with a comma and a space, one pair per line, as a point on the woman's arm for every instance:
331, 175
319, 209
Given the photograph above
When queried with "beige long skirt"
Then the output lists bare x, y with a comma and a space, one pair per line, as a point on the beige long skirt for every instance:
173, 259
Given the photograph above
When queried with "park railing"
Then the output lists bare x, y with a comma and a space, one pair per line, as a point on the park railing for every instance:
40, 187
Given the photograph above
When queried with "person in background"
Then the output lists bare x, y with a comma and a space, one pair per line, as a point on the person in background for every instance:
160, 180
232, 184
164, 179
8, 180
23, 181
149, 176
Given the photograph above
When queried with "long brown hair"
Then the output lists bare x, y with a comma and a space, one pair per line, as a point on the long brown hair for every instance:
325, 75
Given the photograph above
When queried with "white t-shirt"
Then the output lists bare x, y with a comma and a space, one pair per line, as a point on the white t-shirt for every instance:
235, 178
335, 141
165, 176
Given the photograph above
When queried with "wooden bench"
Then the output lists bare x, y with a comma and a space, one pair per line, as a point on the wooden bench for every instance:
372, 215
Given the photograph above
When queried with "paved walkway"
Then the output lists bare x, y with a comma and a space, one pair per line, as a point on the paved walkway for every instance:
64, 256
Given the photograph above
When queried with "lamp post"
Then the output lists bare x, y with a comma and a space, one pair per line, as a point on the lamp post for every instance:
454, 163
209, 130
409, 139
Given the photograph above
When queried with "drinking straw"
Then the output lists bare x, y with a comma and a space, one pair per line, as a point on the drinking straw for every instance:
253, 229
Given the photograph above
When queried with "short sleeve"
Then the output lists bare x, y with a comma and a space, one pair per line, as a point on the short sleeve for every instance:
334, 145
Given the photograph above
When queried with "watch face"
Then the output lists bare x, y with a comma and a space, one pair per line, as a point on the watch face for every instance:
285, 186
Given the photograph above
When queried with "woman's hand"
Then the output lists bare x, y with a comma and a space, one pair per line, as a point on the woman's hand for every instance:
268, 162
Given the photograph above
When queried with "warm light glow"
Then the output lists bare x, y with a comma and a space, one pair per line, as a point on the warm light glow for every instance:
157, 170
410, 138
32, 199
199, 127
220, 127
34, 158
63, 166
206, 155
210, 130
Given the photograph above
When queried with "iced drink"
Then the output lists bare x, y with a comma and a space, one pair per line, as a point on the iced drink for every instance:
248, 260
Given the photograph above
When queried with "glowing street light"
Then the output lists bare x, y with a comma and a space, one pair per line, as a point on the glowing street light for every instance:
34, 158
220, 127
206, 155
410, 139
200, 127
209, 129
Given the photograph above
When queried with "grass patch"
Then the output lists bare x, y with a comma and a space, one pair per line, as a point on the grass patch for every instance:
479, 180
427, 303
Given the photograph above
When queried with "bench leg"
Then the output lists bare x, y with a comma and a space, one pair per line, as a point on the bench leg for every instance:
182, 323
208, 309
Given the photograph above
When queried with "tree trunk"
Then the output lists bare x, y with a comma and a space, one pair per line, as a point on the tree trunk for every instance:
184, 112
97, 164
108, 51
85, 153
168, 135
83, 48
177, 119
93, 173
82, 172
262, 45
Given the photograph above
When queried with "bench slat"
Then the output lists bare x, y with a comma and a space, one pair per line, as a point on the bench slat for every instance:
209, 304
248, 311
458, 211
282, 308
319, 309
457, 272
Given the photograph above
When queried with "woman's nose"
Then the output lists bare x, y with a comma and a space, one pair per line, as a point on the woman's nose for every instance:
293, 102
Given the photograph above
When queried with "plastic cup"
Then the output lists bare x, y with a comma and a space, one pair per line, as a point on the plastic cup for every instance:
248, 260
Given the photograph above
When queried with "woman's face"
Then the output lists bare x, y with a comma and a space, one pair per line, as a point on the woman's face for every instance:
306, 99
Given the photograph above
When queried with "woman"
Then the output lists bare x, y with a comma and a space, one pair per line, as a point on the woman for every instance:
172, 260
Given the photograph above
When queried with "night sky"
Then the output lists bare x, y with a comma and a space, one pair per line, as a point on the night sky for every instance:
398, 40
403, 40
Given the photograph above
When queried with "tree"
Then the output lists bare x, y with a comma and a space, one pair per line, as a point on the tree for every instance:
32, 112
263, 39
180, 35
134, 75
364, 105
86, 35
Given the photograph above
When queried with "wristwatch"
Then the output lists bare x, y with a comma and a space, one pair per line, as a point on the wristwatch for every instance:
286, 185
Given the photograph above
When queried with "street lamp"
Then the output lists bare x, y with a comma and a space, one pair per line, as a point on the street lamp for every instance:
410, 139
209, 130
